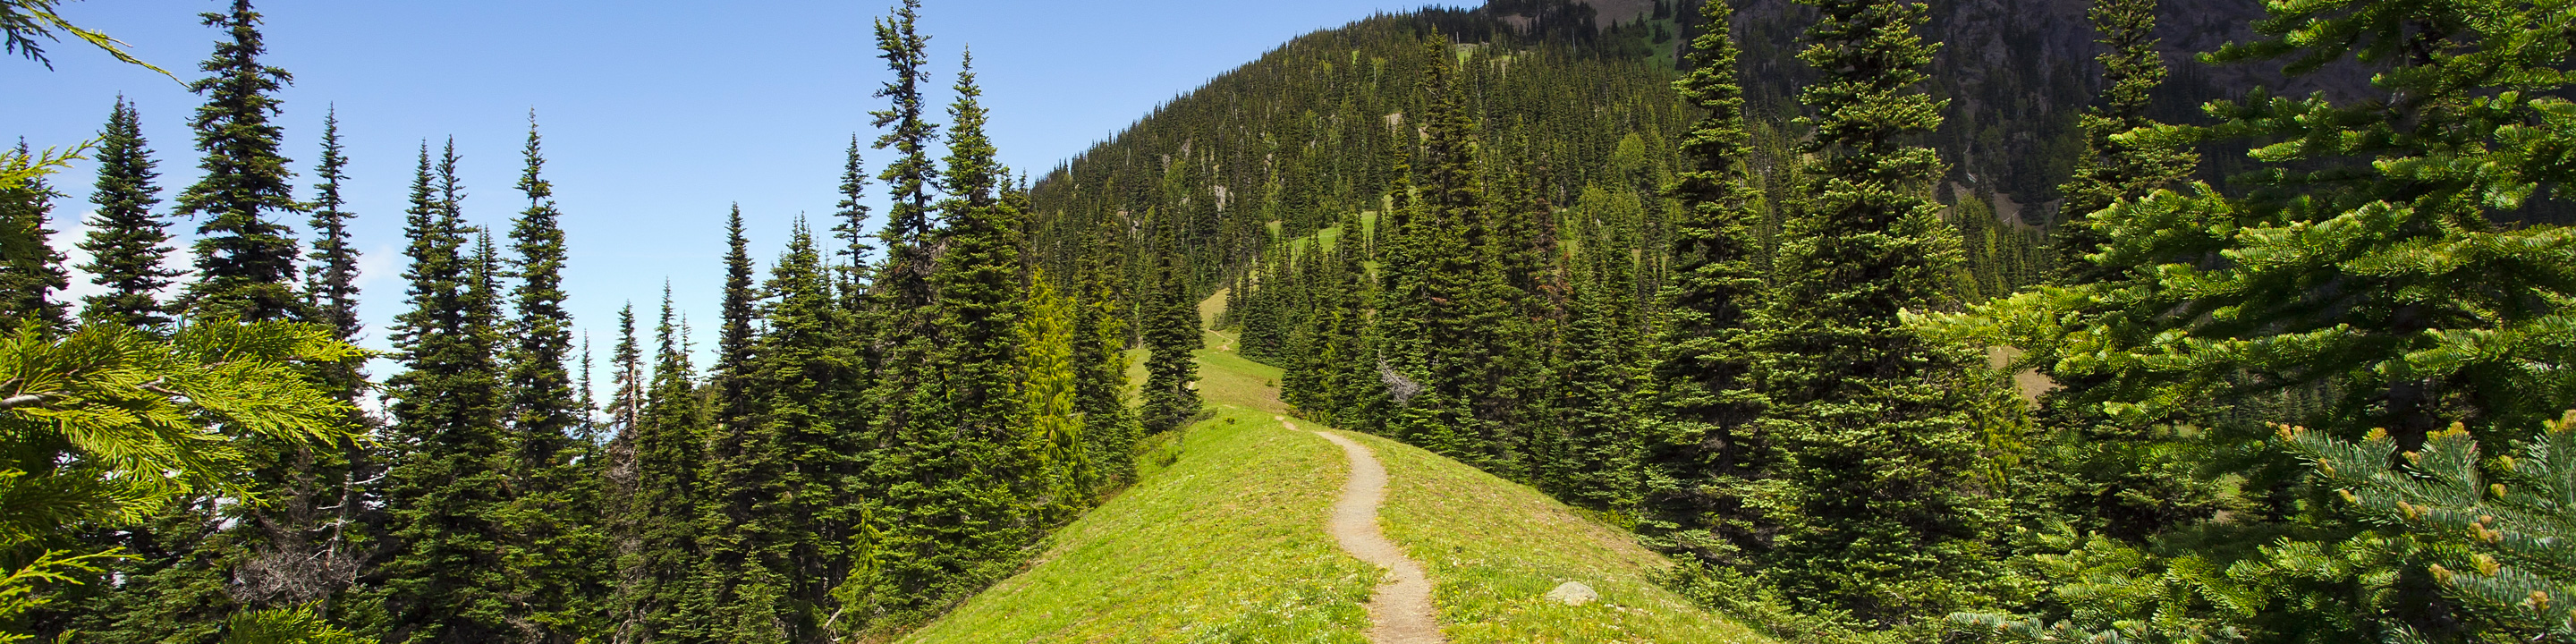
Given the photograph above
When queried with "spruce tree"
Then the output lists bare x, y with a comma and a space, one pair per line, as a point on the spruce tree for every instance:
1879, 453
1595, 452
552, 516
446, 492
904, 280
2115, 168
852, 211
808, 379
31, 271
739, 584
331, 279
1171, 395
245, 262
126, 242
1100, 352
955, 516
657, 546
626, 404
1705, 452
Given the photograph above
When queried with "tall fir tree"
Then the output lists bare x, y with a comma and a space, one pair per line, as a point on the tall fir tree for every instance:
809, 381
1705, 453
127, 242
331, 276
555, 546
739, 585
447, 489
657, 553
246, 263
2115, 168
1878, 452
1100, 351
1171, 394
31, 271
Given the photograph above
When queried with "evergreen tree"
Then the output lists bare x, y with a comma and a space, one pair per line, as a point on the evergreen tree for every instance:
126, 242
31, 271
1595, 453
852, 211
1100, 354
1171, 395
1705, 451
2115, 168
954, 511
656, 553
331, 279
447, 489
555, 547
627, 359
1878, 449
904, 280
809, 510
245, 262
739, 583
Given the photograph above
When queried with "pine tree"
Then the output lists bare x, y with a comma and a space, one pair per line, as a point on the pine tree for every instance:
331, 279
126, 242
809, 383
552, 515
904, 280
953, 512
739, 583
852, 211
1879, 454
1171, 395
447, 488
31, 271
2114, 168
656, 553
1100, 352
245, 262
1705, 450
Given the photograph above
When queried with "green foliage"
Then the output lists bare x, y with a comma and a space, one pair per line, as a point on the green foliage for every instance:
23, 21
31, 271
126, 241
296, 625
245, 262
1171, 331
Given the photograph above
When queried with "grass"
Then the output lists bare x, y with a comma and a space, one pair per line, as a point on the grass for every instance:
1225, 544
1222, 540
1494, 548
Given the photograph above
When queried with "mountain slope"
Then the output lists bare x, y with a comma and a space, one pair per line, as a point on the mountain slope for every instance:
1222, 539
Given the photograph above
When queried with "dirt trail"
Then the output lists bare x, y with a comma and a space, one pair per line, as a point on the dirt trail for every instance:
1400, 611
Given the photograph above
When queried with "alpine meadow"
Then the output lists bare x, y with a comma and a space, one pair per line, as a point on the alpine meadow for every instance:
1756, 321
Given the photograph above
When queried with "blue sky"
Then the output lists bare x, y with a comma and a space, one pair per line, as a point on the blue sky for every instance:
657, 115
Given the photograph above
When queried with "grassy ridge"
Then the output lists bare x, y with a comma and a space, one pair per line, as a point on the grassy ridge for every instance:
1222, 540
1225, 544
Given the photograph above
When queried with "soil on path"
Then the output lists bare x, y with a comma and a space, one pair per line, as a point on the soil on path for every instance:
1400, 610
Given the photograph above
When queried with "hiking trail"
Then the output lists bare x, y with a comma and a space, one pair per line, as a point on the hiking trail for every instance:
1400, 610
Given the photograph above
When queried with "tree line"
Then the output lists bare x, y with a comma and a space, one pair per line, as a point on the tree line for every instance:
892, 419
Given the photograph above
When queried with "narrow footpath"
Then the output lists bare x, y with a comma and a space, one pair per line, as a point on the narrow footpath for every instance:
1400, 611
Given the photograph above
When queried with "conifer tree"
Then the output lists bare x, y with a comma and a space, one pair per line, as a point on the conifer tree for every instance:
627, 360
1171, 395
739, 585
1705, 450
1595, 451
852, 211
809, 383
1049, 400
2115, 168
1878, 451
905, 279
657, 555
126, 242
552, 517
446, 491
955, 514
1100, 352
31, 271
245, 262
331, 279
